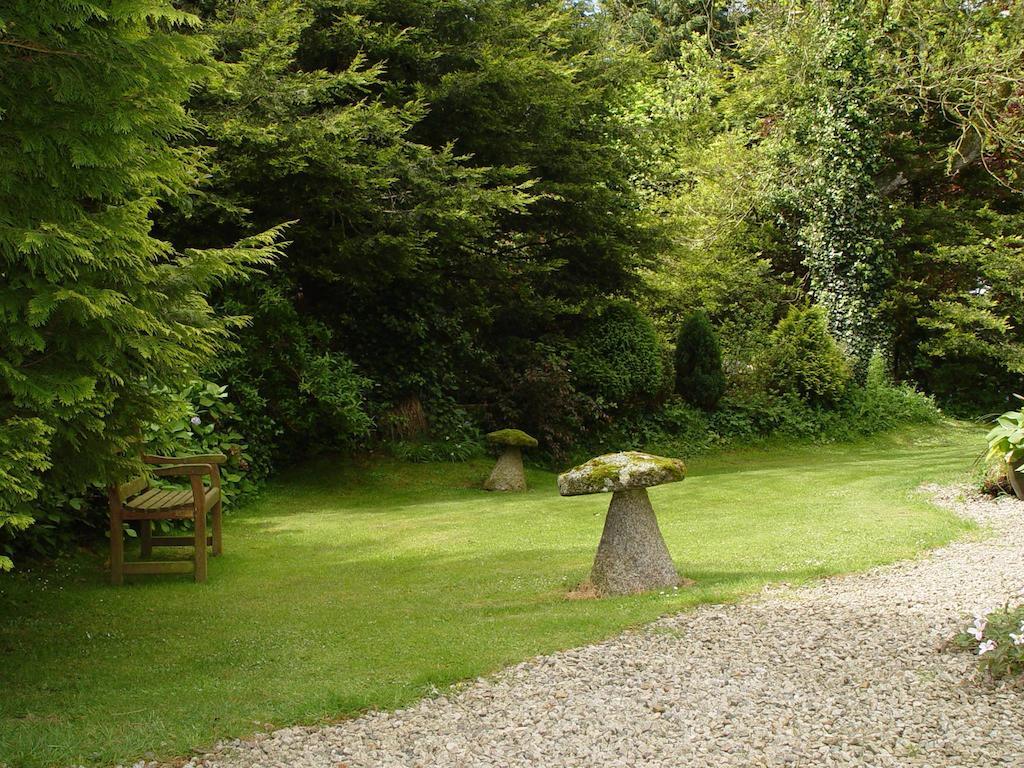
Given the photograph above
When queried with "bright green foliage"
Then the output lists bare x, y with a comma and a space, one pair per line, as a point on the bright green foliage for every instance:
950, 79
803, 359
865, 153
957, 302
24, 445
1006, 439
96, 313
698, 362
618, 356
425, 582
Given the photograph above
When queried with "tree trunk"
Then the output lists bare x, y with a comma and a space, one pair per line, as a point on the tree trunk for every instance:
507, 474
632, 556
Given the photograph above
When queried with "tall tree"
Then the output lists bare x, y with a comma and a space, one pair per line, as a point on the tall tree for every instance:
453, 169
95, 312
846, 227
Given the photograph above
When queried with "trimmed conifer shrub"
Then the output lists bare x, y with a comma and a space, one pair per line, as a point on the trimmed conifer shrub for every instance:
699, 376
803, 359
618, 357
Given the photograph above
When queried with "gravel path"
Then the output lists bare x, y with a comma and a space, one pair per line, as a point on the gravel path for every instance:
848, 672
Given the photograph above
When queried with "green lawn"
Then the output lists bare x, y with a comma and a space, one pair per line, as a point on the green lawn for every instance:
346, 587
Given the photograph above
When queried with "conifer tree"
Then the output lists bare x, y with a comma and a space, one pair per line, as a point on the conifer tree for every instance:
699, 376
95, 312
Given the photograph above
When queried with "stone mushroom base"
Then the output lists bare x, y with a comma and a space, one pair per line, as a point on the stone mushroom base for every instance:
508, 474
632, 556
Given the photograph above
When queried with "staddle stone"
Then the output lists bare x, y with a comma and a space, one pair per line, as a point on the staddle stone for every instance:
508, 473
632, 556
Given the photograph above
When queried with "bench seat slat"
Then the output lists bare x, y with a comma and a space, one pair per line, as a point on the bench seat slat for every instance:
170, 500
143, 498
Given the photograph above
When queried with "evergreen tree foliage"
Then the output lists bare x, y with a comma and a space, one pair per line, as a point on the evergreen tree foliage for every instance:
618, 356
698, 361
456, 180
96, 312
803, 359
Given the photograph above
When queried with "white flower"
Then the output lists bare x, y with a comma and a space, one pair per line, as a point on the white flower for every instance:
978, 628
196, 420
1017, 639
988, 645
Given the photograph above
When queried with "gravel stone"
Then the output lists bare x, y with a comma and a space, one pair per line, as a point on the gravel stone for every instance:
851, 671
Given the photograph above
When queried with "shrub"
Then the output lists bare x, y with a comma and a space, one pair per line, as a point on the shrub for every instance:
699, 376
539, 396
998, 639
617, 358
201, 420
803, 359
295, 392
677, 428
1006, 443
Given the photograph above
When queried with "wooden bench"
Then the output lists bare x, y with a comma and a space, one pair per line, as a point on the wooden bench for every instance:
138, 500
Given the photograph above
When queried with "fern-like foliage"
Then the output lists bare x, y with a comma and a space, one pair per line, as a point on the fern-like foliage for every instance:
95, 311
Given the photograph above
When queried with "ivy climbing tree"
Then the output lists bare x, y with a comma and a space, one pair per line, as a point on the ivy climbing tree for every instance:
846, 225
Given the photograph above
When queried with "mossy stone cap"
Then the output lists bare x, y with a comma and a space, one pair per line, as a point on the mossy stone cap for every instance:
620, 472
513, 437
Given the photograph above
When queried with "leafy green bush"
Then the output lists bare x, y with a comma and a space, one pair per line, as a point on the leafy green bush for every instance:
1006, 445
677, 428
998, 639
201, 420
680, 429
803, 359
295, 392
698, 361
1006, 439
539, 395
617, 358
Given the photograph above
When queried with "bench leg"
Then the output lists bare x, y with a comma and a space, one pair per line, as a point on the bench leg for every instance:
199, 552
116, 549
146, 537
218, 538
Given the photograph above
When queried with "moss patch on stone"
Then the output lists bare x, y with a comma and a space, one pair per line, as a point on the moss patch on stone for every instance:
513, 437
620, 471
